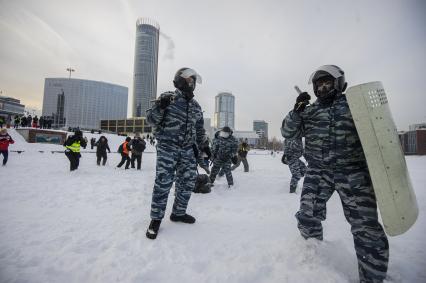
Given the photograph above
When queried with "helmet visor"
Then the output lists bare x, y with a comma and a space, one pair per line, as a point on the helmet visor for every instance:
187, 73
334, 71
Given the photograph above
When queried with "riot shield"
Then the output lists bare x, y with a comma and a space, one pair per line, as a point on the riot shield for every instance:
386, 162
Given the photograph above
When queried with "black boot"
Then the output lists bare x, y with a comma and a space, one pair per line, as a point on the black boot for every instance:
153, 228
186, 218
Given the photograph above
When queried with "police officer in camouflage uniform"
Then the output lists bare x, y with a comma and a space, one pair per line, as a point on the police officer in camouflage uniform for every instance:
336, 162
224, 148
178, 124
293, 150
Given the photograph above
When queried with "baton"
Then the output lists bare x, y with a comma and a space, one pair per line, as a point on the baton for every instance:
299, 92
297, 89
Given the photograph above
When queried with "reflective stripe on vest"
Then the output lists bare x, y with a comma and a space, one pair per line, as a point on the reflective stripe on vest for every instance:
75, 147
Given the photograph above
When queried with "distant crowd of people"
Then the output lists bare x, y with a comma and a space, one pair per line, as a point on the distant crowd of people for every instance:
44, 122
131, 150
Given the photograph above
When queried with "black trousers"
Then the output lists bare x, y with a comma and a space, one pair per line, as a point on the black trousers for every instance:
124, 158
138, 159
5, 155
74, 158
101, 156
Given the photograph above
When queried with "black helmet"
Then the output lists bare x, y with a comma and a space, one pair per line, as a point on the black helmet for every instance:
227, 129
78, 133
181, 76
334, 73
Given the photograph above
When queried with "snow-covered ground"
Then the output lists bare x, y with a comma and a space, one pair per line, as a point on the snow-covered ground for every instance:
89, 226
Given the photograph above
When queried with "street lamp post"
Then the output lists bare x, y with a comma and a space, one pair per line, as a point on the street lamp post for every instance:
70, 70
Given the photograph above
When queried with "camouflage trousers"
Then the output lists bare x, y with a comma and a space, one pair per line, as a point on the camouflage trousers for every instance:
225, 165
245, 163
177, 165
297, 169
360, 209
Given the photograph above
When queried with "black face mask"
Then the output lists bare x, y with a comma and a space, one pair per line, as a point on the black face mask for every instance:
325, 90
188, 95
328, 98
188, 90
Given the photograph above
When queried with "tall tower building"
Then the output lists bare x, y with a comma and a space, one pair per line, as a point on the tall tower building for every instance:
224, 114
146, 65
261, 129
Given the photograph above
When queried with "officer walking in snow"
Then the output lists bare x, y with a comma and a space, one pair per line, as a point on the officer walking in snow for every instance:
101, 150
224, 148
336, 162
178, 125
293, 150
73, 144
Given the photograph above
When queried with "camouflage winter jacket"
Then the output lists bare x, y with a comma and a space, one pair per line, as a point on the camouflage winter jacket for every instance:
330, 135
181, 124
293, 148
224, 148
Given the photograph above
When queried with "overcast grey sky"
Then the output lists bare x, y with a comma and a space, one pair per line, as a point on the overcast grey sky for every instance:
258, 50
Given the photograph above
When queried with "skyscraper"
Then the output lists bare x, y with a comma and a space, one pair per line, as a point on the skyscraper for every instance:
224, 110
146, 65
261, 128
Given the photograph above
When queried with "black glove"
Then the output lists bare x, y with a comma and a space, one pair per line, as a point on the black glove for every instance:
301, 101
195, 149
284, 159
234, 159
207, 151
165, 101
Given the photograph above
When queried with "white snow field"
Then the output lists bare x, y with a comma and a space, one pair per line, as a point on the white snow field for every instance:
89, 226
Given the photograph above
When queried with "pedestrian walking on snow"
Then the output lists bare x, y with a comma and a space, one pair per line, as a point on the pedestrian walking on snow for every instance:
5, 141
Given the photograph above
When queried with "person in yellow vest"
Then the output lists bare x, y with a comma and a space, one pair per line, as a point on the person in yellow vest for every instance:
73, 144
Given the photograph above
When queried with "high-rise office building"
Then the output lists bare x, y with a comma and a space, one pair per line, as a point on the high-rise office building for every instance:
83, 103
261, 128
224, 114
146, 65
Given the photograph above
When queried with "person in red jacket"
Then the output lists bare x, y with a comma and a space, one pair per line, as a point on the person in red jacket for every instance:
5, 140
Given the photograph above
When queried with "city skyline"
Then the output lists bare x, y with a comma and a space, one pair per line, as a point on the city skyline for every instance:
260, 50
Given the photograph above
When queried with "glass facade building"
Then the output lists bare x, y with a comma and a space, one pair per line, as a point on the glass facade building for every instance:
145, 65
261, 128
224, 114
83, 103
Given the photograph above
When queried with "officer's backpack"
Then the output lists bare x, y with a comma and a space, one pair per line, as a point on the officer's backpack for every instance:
120, 148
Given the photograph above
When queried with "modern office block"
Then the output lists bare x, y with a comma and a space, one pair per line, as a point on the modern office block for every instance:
83, 103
